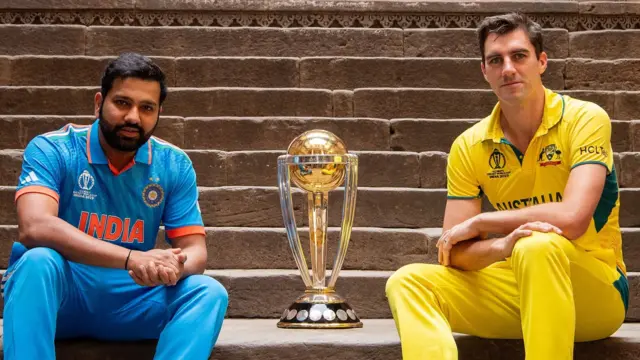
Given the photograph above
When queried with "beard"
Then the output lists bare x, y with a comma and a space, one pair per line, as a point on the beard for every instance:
122, 143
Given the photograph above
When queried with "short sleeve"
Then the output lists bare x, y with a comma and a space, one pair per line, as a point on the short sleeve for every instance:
42, 169
461, 180
590, 138
182, 212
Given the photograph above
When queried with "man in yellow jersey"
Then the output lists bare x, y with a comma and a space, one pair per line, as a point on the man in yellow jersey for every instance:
554, 274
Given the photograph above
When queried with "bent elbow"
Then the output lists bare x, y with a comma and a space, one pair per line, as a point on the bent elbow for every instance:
575, 229
26, 235
30, 232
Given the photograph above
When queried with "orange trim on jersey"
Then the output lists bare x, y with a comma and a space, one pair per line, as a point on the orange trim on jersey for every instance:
37, 189
186, 230
117, 172
89, 147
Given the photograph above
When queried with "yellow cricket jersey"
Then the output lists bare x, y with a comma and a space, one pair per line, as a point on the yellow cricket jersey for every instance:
573, 132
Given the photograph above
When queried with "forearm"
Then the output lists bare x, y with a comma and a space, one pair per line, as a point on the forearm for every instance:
475, 254
503, 222
74, 245
196, 260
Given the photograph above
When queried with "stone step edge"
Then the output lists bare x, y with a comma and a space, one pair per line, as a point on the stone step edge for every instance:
387, 326
395, 89
270, 117
267, 273
378, 338
384, 329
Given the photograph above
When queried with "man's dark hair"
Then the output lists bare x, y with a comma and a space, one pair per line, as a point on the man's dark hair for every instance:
504, 24
132, 65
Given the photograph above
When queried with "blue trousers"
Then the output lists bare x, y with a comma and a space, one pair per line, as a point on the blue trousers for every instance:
48, 298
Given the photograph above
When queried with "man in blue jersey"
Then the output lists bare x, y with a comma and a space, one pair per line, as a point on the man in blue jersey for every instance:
90, 201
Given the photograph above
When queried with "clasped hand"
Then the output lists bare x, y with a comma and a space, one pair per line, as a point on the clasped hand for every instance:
157, 267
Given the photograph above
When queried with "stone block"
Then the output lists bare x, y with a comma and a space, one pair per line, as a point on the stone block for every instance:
589, 74
5, 71
10, 130
245, 206
433, 169
253, 168
629, 198
47, 100
248, 102
210, 167
627, 105
630, 174
237, 72
342, 103
394, 103
11, 167
464, 43
237, 134
634, 134
42, 39
388, 169
605, 44
244, 41
426, 135
268, 248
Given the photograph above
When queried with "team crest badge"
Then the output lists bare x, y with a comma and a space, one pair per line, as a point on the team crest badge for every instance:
551, 154
152, 195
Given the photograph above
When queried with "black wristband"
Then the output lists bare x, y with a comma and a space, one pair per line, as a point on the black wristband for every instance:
127, 261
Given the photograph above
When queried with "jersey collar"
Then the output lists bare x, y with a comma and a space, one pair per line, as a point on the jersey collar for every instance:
553, 113
96, 155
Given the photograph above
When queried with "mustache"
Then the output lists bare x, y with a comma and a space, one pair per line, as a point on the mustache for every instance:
128, 127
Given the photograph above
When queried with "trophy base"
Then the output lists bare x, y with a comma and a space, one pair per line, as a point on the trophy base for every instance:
319, 309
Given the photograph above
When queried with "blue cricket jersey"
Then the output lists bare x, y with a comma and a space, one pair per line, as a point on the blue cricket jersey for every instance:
123, 207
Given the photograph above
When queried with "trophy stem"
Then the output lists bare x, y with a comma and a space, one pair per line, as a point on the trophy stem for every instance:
318, 204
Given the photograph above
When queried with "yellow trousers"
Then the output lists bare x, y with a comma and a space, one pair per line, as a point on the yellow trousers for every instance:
548, 293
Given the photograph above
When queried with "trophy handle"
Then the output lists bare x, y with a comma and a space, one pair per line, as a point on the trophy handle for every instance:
348, 213
286, 204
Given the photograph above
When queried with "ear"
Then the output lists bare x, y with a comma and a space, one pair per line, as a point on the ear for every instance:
97, 101
543, 62
484, 71
161, 109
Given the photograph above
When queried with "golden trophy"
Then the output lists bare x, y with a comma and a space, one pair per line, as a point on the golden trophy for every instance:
317, 162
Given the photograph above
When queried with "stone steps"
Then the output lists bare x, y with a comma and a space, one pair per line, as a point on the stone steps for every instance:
296, 42
276, 133
317, 72
242, 89
376, 340
405, 169
265, 293
386, 103
377, 207
370, 248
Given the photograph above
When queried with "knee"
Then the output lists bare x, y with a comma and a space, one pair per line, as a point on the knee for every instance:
540, 244
208, 291
42, 260
407, 276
